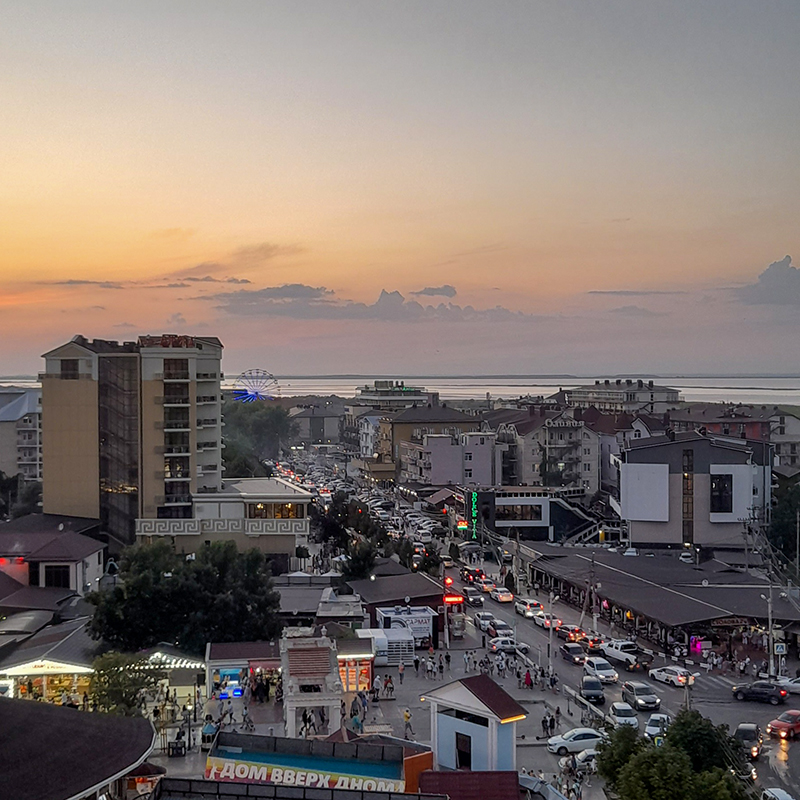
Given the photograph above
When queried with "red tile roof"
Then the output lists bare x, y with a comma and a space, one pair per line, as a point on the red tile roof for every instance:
309, 662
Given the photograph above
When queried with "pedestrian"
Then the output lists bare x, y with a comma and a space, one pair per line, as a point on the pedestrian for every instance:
407, 724
416, 664
431, 669
389, 687
362, 696
376, 689
466, 661
552, 725
546, 724
558, 716
483, 640
342, 714
447, 660
424, 667
401, 669
528, 680
357, 725
441, 667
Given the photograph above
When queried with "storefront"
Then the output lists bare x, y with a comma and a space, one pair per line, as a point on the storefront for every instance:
50, 680
230, 665
355, 659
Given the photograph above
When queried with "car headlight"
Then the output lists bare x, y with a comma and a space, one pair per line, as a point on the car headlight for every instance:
769, 728
754, 751
783, 734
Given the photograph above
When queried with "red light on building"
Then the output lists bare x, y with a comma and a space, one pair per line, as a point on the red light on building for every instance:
453, 599
444, 511
448, 581
2, 561
20, 560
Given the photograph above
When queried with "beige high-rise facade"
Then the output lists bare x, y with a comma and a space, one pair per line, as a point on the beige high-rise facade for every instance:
131, 430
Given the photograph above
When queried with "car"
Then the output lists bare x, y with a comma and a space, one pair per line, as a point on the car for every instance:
592, 690
485, 584
570, 633
472, 596
600, 668
416, 561
786, 726
641, 696
792, 685
591, 643
483, 619
574, 741
447, 562
623, 714
631, 551
585, 761
656, 725
507, 644
763, 691
501, 595
470, 574
544, 619
686, 557
776, 794
526, 607
573, 653
677, 676
499, 627
748, 734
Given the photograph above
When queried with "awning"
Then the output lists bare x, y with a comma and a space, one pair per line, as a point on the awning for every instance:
48, 668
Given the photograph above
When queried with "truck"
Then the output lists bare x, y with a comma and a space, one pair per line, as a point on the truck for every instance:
627, 654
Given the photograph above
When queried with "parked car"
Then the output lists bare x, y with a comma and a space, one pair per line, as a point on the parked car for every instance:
656, 725
600, 668
570, 633
748, 734
472, 596
499, 627
574, 741
501, 594
573, 653
485, 584
526, 607
544, 619
787, 725
592, 690
585, 761
677, 676
507, 644
483, 618
623, 714
763, 691
687, 557
641, 696
470, 574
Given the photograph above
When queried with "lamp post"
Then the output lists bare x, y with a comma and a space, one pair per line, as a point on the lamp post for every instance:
687, 686
769, 631
554, 598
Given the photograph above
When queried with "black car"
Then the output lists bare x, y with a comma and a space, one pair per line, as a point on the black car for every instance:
473, 596
470, 574
749, 736
592, 690
763, 691
641, 696
573, 653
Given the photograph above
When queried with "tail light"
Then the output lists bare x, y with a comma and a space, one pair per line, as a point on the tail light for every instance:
784, 693
754, 751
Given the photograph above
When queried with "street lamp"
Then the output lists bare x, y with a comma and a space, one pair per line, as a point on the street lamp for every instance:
769, 631
689, 681
554, 598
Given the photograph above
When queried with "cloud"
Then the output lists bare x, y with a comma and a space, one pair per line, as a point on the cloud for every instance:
635, 311
211, 279
258, 253
300, 301
632, 292
778, 284
176, 319
126, 325
437, 291
80, 282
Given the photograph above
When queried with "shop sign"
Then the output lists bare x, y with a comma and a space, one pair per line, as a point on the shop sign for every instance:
242, 771
474, 515
730, 622
48, 668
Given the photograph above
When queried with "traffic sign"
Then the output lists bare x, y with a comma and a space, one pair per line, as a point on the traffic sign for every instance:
780, 648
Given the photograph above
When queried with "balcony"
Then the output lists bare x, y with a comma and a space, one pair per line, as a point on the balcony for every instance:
174, 375
183, 400
175, 500
208, 376
175, 450
207, 398
211, 422
177, 425
173, 475
202, 446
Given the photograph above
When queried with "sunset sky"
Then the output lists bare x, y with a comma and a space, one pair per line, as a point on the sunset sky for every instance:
401, 187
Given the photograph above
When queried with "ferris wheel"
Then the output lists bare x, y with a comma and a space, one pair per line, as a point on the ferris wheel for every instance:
255, 384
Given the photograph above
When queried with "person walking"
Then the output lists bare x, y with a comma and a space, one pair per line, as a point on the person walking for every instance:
546, 724
407, 724
528, 680
552, 725
376, 689
401, 669
466, 661
441, 667
416, 664
558, 716
447, 660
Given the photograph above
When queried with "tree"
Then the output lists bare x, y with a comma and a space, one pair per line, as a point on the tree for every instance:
718, 784
707, 745
260, 429
219, 596
510, 582
240, 462
119, 680
613, 754
656, 773
783, 529
360, 560
29, 500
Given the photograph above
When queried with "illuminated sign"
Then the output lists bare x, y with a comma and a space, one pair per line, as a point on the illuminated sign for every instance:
462, 525
47, 668
448, 581
474, 515
453, 599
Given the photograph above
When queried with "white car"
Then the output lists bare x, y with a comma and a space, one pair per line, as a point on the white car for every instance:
483, 618
656, 725
544, 619
507, 644
527, 607
501, 594
623, 714
585, 761
575, 741
677, 676
485, 584
792, 685
600, 669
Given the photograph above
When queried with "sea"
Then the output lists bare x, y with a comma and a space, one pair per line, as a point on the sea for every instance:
756, 390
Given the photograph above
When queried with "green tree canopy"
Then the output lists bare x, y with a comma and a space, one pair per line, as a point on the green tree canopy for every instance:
220, 596
783, 529
260, 429
29, 500
360, 560
657, 773
119, 680
706, 744
613, 754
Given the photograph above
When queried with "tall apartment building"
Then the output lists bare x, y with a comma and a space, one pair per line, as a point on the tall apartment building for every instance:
21, 433
131, 430
616, 396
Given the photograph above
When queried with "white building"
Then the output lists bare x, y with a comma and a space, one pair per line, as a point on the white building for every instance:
624, 395
21, 433
469, 459
368, 434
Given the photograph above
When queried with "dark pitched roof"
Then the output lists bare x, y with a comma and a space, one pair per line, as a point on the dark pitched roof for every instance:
434, 414
67, 643
8, 585
67, 546
247, 651
36, 598
58, 753
493, 696
388, 566
393, 589
471, 785
49, 523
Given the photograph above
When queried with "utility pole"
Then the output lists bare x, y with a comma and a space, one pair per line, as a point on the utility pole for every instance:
797, 542
553, 598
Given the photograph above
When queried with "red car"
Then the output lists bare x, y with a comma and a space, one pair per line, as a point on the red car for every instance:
787, 725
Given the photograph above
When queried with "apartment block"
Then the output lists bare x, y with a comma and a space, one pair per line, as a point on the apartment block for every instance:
131, 430
470, 459
620, 395
21, 433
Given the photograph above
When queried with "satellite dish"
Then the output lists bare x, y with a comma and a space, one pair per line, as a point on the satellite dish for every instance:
705, 582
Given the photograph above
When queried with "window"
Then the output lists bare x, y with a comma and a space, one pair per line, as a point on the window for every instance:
69, 370
587, 467
57, 576
777, 449
688, 460
792, 448
467, 473
722, 494
467, 456
587, 451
